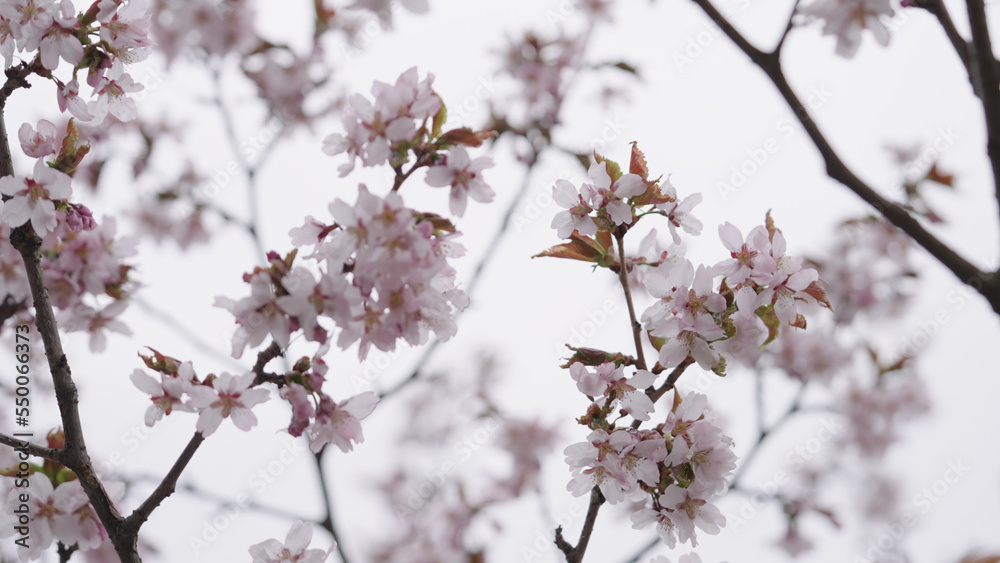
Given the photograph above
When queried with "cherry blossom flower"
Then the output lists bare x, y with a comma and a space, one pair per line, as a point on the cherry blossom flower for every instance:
61, 40
609, 197
40, 143
257, 315
302, 407
293, 550
373, 127
751, 260
85, 318
29, 19
689, 337
679, 212
68, 96
691, 510
464, 175
125, 27
577, 215
7, 42
166, 394
32, 198
111, 90
50, 512
340, 423
228, 396
846, 19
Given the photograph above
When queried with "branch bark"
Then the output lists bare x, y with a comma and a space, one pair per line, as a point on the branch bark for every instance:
983, 72
984, 283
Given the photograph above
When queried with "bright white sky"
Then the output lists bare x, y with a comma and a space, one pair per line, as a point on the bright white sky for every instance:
695, 123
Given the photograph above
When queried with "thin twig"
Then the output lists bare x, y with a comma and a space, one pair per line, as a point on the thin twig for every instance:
623, 278
983, 69
969, 274
166, 487
33, 449
207, 495
327, 522
788, 29
794, 407
575, 554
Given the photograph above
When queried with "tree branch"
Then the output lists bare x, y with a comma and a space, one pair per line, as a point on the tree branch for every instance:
836, 169
33, 449
983, 71
165, 488
575, 554
623, 278
327, 522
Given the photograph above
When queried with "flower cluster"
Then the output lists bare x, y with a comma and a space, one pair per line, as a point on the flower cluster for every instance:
734, 306
323, 420
99, 41
383, 276
57, 510
377, 131
83, 264
679, 465
214, 398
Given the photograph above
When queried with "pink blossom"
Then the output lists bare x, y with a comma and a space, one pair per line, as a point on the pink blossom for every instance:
32, 198
7, 41
85, 318
751, 260
464, 175
691, 510
293, 550
372, 128
577, 215
29, 19
50, 511
257, 315
227, 396
679, 212
111, 90
61, 40
847, 18
125, 27
340, 423
40, 143
302, 407
166, 394
609, 197
68, 96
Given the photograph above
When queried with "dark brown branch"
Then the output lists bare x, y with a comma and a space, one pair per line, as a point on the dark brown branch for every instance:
836, 169
983, 71
33, 449
575, 554
75, 454
263, 357
788, 29
655, 394
623, 278
10, 308
961, 46
65, 552
165, 488
327, 522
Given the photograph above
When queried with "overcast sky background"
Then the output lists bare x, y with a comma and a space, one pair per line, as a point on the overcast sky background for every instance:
694, 123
